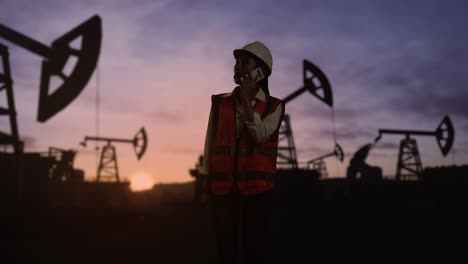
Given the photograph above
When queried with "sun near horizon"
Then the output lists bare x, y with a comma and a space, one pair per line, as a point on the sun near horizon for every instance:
141, 181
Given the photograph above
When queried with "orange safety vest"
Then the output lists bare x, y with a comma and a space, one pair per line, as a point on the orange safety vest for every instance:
256, 162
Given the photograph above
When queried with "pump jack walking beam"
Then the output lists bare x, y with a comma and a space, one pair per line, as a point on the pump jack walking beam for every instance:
55, 59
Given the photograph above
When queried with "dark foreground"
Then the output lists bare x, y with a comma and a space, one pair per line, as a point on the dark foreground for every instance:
311, 220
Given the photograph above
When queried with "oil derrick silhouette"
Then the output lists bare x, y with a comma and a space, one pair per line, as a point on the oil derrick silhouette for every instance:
314, 81
319, 165
6, 84
409, 166
52, 100
108, 169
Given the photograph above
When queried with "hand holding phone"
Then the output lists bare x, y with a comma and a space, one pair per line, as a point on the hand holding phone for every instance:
248, 83
257, 72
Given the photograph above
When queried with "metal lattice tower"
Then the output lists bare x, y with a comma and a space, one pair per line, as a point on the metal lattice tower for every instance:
287, 156
6, 84
108, 168
409, 167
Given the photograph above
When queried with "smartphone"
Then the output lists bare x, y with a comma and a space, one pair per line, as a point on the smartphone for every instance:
256, 72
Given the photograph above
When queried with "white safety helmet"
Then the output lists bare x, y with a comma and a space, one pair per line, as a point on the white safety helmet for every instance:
259, 50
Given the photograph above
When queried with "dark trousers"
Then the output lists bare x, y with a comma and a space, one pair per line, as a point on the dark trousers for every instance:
241, 225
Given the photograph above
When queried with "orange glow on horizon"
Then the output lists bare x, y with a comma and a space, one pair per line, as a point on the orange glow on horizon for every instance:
141, 181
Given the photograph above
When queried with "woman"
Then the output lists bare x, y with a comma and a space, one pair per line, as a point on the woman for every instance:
241, 148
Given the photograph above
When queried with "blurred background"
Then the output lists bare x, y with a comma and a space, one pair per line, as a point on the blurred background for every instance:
391, 64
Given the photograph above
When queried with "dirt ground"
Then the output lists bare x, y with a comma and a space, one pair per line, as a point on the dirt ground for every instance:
331, 219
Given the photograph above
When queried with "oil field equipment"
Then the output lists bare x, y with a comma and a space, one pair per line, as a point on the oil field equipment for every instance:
55, 60
409, 165
317, 84
27, 173
108, 168
62, 169
6, 84
319, 165
359, 169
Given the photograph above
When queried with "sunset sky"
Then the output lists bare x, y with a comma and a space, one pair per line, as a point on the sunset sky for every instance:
392, 64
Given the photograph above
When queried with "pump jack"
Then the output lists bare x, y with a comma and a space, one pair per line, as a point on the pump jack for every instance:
108, 167
55, 57
317, 84
319, 165
409, 160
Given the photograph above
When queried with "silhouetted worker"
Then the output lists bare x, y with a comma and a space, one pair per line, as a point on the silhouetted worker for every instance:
241, 148
357, 165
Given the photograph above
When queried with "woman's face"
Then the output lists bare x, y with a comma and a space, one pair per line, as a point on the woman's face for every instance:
244, 65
